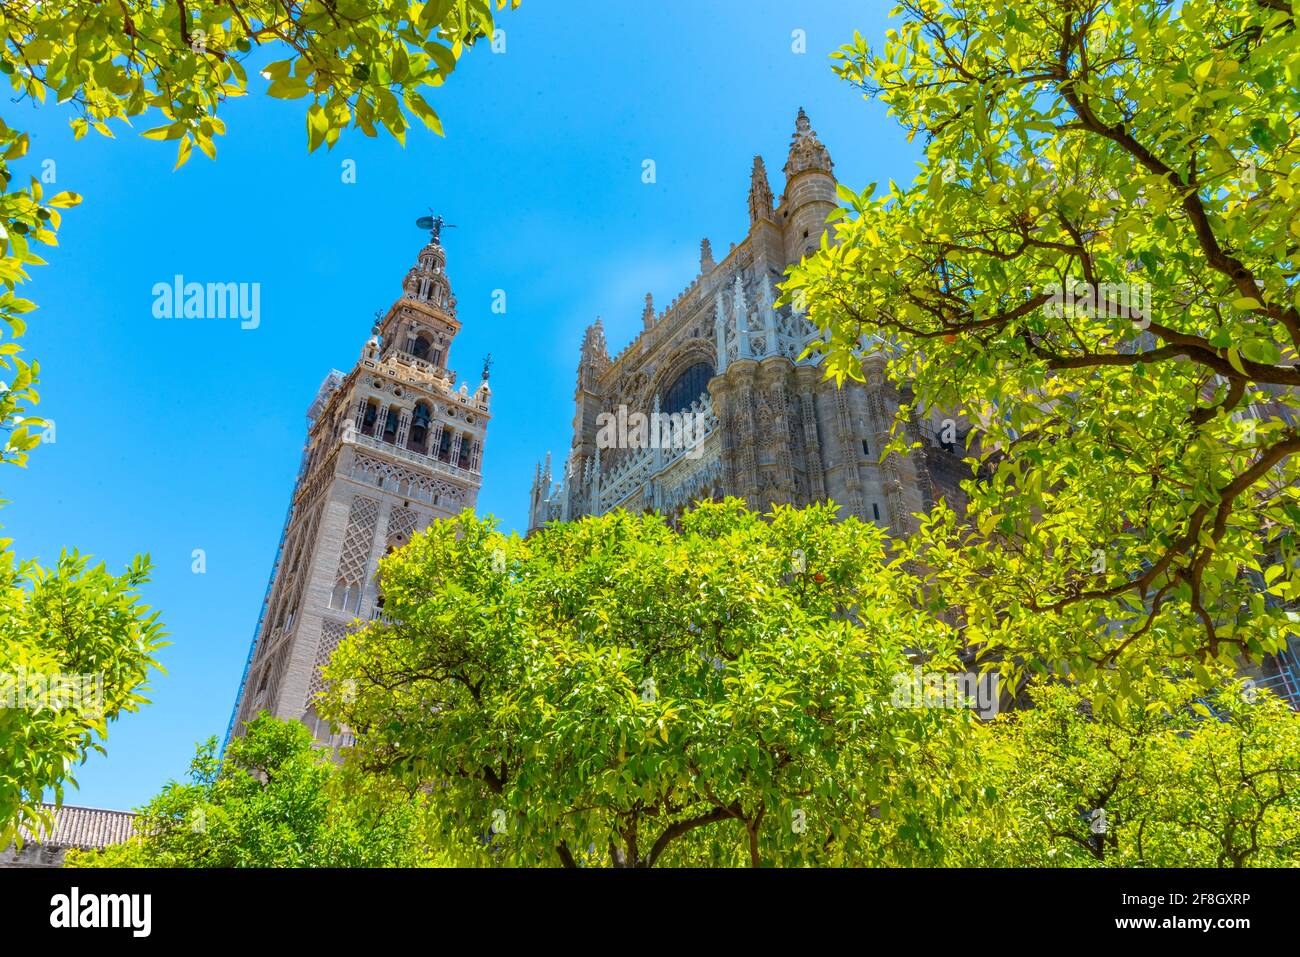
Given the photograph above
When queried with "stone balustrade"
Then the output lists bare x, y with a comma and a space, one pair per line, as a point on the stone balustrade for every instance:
425, 461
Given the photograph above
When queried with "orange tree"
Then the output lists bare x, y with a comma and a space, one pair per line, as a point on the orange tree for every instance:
615, 692
1096, 271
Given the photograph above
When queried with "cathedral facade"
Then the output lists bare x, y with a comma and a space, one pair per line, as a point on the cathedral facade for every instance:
772, 430
391, 446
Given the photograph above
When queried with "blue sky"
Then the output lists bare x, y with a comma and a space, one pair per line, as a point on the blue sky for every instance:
174, 435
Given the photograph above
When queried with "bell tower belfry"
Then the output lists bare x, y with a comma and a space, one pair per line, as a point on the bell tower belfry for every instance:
391, 446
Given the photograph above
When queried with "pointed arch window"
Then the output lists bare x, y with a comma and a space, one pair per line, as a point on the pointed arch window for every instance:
346, 596
686, 388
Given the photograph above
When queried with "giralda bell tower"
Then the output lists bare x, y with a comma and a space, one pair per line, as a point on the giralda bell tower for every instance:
391, 446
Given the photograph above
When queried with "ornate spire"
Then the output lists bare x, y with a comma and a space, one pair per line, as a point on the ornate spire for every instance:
593, 340
595, 355
739, 306
648, 313
422, 322
806, 151
760, 193
706, 255
427, 281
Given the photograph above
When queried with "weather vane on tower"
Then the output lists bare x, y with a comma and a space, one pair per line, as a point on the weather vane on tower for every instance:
435, 225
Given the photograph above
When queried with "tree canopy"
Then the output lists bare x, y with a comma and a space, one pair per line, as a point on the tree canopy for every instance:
1181, 780
614, 691
76, 649
740, 692
272, 800
1094, 272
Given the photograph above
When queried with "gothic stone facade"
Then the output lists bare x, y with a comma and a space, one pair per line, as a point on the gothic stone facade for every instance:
392, 445
774, 430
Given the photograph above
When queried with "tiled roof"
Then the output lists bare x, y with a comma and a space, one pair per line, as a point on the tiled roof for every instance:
84, 827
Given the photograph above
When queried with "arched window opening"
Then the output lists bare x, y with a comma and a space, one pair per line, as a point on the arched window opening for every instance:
689, 386
346, 597
444, 447
421, 348
466, 446
390, 426
419, 436
369, 419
